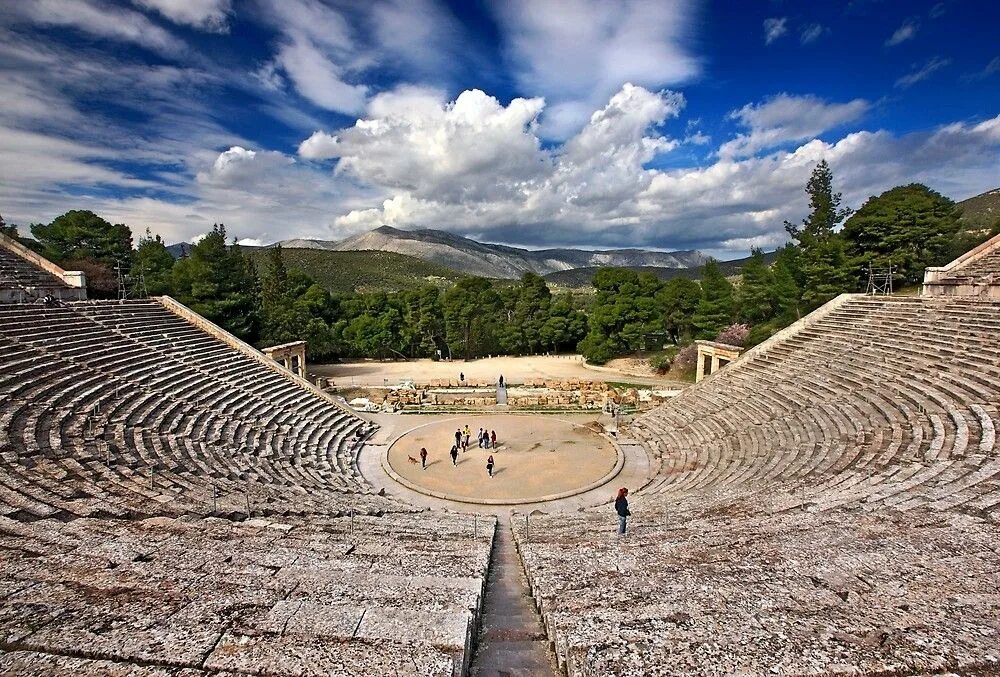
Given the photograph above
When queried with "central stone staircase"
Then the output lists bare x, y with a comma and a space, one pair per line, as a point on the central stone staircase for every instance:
512, 640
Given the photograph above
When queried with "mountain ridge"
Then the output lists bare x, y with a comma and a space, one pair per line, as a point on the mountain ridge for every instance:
496, 260
471, 257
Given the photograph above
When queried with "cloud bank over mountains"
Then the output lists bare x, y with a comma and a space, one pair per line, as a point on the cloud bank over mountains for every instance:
479, 168
593, 131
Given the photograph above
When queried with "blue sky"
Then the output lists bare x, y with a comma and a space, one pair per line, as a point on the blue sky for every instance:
672, 125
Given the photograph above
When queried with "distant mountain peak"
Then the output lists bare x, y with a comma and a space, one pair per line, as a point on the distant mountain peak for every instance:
493, 260
472, 257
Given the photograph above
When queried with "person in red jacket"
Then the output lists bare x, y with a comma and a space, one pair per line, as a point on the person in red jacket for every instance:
493, 439
621, 507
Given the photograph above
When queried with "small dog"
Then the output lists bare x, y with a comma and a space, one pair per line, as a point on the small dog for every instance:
412, 460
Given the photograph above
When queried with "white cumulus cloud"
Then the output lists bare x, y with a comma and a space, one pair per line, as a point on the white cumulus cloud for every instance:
577, 53
470, 148
785, 118
319, 146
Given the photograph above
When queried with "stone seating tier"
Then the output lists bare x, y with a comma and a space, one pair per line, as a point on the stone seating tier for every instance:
808, 510
363, 596
123, 408
17, 273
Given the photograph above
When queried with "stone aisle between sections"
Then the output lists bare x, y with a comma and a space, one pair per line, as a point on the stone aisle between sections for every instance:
512, 641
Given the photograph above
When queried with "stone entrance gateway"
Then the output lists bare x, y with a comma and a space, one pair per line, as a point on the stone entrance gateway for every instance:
712, 356
292, 356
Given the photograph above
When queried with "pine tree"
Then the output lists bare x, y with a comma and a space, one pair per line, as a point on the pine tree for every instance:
220, 283
784, 289
755, 300
825, 268
471, 309
153, 262
676, 303
715, 309
274, 281
623, 312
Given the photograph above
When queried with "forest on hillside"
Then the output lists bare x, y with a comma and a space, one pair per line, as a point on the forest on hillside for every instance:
262, 299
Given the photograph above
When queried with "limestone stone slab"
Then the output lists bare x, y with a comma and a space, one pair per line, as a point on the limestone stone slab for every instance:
216, 604
374, 590
311, 656
446, 630
20, 620
324, 620
132, 633
34, 663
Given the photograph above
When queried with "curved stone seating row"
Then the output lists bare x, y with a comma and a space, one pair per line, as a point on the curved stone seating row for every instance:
716, 585
878, 393
809, 511
123, 408
363, 596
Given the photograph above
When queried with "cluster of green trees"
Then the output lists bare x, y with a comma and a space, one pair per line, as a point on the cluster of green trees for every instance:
474, 317
908, 227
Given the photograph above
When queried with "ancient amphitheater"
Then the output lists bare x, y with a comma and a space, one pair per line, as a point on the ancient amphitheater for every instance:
173, 502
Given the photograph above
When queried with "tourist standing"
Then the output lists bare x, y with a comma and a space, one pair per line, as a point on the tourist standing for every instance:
482, 435
458, 438
489, 465
493, 439
461, 377
423, 458
501, 380
621, 507
454, 455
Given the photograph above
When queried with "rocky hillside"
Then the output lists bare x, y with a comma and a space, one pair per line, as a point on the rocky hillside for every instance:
493, 260
983, 209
